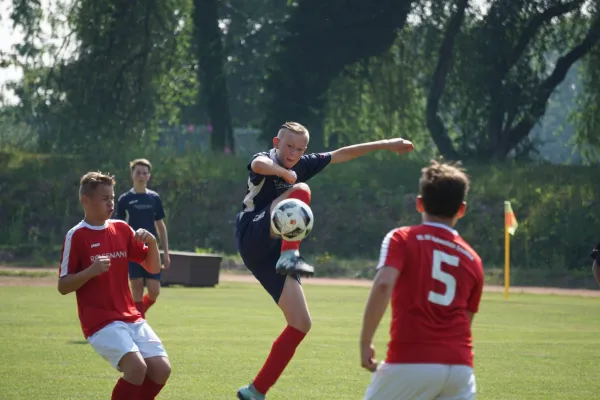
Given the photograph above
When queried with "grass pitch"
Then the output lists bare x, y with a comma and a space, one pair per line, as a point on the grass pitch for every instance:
530, 347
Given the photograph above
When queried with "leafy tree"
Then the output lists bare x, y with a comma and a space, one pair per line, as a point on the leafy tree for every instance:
213, 93
125, 77
586, 117
321, 39
500, 76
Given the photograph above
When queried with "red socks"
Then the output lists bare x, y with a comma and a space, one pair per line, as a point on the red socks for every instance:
125, 391
302, 195
144, 305
128, 391
147, 302
282, 351
149, 390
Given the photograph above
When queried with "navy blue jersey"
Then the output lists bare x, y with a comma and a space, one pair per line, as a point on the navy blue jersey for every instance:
141, 209
262, 190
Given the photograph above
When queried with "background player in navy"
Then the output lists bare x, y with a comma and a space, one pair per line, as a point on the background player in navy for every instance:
595, 254
274, 176
143, 209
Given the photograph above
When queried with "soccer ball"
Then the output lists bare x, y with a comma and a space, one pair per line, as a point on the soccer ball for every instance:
292, 219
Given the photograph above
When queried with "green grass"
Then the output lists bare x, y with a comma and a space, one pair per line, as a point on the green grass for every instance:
27, 273
530, 347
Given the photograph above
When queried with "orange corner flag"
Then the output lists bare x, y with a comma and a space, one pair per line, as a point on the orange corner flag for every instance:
510, 221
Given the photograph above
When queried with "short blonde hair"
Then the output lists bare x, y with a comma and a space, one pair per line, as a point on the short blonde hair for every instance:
293, 127
140, 161
90, 181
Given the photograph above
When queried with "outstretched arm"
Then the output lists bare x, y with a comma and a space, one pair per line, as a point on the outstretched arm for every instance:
348, 153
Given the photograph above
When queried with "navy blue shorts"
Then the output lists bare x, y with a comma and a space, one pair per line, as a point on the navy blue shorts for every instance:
136, 271
259, 250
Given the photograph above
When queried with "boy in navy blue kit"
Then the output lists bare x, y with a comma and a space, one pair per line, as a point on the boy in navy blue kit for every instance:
595, 254
142, 208
274, 176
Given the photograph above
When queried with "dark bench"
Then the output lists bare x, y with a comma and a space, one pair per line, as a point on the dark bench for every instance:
192, 269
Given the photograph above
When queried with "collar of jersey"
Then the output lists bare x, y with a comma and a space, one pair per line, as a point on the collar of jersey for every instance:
438, 225
273, 156
95, 228
132, 190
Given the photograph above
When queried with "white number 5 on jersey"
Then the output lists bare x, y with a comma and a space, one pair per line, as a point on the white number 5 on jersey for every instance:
439, 257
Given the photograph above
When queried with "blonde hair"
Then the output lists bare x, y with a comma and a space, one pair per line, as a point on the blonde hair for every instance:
90, 181
293, 127
140, 161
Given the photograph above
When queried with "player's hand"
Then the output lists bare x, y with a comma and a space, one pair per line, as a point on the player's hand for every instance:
400, 145
289, 176
166, 261
367, 357
142, 235
100, 265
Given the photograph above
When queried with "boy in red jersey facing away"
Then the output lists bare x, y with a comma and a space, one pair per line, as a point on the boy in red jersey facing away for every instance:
94, 265
274, 176
434, 279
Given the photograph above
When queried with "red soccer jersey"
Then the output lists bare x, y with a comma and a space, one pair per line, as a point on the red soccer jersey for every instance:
107, 297
441, 278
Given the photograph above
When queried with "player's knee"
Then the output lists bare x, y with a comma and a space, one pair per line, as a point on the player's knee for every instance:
305, 324
301, 322
302, 187
153, 293
159, 370
299, 191
134, 368
162, 374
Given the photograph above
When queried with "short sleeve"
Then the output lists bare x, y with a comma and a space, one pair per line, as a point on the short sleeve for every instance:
159, 212
255, 178
136, 251
475, 297
595, 254
392, 251
310, 165
121, 208
70, 257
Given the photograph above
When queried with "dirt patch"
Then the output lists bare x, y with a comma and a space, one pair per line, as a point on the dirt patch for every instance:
26, 281
544, 290
244, 278
20, 280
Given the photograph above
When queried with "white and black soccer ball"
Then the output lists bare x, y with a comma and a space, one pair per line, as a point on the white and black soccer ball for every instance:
292, 219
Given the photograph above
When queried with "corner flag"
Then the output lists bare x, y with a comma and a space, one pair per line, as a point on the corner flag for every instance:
510, 227
510, 221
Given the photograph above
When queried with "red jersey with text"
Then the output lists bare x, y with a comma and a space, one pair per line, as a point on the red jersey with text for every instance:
105, 298
441, 278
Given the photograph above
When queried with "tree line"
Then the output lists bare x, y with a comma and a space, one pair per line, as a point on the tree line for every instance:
474, 78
